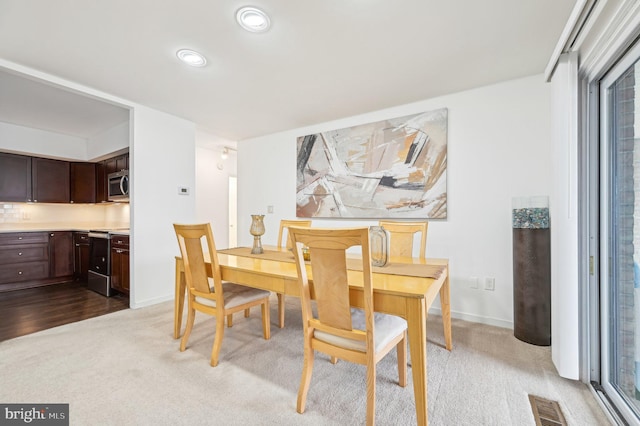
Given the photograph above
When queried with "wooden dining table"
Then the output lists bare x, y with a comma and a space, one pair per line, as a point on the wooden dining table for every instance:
406, 287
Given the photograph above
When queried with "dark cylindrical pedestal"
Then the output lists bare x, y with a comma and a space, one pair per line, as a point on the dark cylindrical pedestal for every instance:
532, 285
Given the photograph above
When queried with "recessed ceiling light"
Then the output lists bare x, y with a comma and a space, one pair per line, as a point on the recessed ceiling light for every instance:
191, 57
253, 19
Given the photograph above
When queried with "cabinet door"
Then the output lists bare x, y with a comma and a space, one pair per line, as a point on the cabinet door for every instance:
60, 254
81, 256
120, 269
15, 178
101, 182
83, 182
122, 162
50, 180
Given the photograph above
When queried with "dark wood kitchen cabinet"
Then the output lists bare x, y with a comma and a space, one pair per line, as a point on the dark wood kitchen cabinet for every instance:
24, 259
120, 263
81, 256
15, 178
101, 182
50, 180
61, 254
83, 182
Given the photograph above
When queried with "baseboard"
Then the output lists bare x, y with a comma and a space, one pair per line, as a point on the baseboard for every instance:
475, 318
150, 302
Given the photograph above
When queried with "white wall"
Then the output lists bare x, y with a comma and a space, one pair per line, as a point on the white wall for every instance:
498, 148
112, 140
212, 189
161, 158
30, 141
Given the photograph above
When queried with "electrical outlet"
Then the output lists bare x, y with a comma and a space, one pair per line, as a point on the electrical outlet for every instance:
269, 209
473, 282
490, 283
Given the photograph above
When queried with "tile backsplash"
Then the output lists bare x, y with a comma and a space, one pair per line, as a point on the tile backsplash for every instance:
55, 213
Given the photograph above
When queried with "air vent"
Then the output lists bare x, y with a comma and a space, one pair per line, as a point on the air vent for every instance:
546, 412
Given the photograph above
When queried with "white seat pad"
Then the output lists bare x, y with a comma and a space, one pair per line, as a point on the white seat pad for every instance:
386, 328
236, 295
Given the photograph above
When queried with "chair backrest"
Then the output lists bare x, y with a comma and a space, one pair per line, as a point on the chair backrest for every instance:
284, 224
327, 247
401, 236
195, 242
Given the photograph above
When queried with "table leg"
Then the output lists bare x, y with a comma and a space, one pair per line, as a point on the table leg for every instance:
445, 306
178, 299
417, 331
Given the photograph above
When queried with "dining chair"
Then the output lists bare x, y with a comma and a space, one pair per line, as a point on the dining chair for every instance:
355, 335
284, 224
401, 235
221, 299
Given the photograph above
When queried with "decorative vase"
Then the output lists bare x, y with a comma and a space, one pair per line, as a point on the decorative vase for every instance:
257, 230
379, 242
531, 270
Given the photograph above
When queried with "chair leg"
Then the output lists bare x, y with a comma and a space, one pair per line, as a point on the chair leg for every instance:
307, 369
281, 310
247, 312
402, 361
217, 341
266, 320
371, 392
187, 331
230, 320
334, 360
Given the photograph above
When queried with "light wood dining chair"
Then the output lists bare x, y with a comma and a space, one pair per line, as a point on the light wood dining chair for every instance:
401, 235
221, 299
283, 232
356, 335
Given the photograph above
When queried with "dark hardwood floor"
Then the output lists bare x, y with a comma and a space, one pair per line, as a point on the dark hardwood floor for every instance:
35, 309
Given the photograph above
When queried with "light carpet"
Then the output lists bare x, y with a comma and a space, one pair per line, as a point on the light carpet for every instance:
125, 369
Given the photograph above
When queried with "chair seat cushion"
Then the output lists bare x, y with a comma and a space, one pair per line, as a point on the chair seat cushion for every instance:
235, 295
386, 328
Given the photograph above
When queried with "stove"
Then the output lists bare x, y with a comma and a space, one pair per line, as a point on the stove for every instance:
99, 279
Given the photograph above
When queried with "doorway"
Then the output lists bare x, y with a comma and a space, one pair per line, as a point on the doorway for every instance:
619, 226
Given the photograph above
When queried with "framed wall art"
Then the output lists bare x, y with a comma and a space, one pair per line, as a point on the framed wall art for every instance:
395, 168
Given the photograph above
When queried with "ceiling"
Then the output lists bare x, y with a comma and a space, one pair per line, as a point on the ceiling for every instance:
320, 61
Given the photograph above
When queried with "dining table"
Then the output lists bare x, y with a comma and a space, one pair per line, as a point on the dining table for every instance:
406, 287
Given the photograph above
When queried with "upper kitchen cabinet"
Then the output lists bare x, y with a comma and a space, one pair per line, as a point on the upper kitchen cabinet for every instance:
117, 164
50, 180
83, 182
15, 178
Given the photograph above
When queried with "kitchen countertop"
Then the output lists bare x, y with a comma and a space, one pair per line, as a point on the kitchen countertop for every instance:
61, 226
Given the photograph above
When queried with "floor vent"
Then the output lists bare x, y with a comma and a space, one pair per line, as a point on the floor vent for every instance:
546, 412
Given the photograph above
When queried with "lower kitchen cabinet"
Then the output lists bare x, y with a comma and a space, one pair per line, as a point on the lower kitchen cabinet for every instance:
120, 263
24, 257
81, 256
31, 259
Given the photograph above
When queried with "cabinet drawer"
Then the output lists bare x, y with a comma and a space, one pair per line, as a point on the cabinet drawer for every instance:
81, 237
120, 241
24, 272
23, 238
23, 253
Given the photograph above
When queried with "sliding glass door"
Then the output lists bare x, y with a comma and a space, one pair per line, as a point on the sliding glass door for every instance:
620, 235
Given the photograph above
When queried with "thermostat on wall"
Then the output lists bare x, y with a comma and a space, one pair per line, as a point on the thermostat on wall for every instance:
183, 190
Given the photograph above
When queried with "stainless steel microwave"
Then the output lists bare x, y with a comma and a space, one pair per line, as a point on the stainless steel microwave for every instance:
118, 186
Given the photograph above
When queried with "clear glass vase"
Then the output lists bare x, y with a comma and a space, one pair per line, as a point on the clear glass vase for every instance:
257, 230
379, 242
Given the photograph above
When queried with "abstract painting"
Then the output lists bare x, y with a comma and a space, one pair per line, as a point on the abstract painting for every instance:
395, 168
